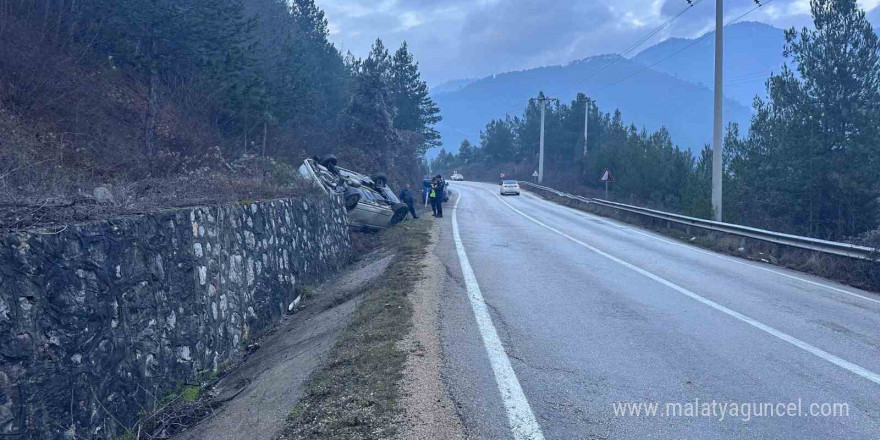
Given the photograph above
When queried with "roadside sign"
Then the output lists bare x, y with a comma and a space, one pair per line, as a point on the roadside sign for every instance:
502, 175
535, 174
607, 176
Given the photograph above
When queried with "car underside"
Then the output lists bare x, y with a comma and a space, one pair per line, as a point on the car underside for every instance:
370, 203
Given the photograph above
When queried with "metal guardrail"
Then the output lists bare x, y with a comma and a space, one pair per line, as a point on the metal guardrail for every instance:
813, 244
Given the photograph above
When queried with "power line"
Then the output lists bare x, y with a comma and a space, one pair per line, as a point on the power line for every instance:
748, 78
745, 75
698, 40
632, 47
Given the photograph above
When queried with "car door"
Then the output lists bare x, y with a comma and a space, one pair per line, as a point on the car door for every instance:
371, 210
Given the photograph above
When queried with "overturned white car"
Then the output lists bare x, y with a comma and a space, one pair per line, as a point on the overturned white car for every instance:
369, 201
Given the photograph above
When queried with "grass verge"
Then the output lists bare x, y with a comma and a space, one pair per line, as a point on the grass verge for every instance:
356, 393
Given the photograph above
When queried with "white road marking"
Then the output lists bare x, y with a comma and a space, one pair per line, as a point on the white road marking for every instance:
867, 374
723, 257
522, 421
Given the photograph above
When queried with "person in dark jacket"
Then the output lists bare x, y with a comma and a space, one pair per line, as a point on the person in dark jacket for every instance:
406, 196
438, 187
443, 185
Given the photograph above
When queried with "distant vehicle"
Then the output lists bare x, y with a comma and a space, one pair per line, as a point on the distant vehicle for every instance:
509, 187
369, 201
456, 176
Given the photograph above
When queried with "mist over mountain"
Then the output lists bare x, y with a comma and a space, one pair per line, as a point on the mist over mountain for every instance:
452, 85
675, 93
752, 51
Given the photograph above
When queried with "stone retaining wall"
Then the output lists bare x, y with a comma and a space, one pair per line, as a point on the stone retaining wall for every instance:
98, 321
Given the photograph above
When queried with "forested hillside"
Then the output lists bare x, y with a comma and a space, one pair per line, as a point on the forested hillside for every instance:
227, 95
674, 74
807, 165
650, 98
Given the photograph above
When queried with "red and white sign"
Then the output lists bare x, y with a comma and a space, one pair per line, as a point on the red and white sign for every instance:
502, 175
607, 176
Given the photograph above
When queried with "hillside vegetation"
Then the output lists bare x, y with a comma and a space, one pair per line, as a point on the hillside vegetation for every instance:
649, 98
181, 101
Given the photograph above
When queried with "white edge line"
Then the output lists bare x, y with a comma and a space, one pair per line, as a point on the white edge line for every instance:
702, 251
847, 365
522, 420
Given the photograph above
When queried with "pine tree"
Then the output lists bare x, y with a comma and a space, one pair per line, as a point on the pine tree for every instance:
164, 40
368, 120
814, 145
497, 141
466, 152
416, 111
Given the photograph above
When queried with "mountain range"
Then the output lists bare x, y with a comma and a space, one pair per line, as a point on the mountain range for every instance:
668, 84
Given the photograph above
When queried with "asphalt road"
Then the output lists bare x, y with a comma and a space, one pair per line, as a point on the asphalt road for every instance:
587, 313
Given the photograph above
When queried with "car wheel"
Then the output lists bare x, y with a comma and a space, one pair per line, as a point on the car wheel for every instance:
400, 212
328, 161
380, 179
351, 199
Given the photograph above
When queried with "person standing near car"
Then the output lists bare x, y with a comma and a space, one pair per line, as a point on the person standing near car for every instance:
432, 195
406, 196
437, 191
443, 185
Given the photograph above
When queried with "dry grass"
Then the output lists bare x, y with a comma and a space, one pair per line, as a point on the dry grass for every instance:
355, 395
55, 200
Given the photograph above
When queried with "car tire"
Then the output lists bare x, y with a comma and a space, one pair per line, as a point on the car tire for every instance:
351, 199
400, 213
380, 179
328, 161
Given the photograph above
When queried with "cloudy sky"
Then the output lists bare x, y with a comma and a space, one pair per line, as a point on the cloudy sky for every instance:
455, 39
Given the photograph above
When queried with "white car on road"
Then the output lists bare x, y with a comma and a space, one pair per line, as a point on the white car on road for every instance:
509, 187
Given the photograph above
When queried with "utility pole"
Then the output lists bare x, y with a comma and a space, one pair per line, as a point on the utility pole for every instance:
543, 101
717, 163
541, 149
586, 124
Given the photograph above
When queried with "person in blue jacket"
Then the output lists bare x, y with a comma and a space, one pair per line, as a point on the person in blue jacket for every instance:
406, 196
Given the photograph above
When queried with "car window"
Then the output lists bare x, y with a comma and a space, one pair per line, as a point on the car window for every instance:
510, 182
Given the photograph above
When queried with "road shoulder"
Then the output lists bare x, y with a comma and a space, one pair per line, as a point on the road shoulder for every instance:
429, 410
356, 393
